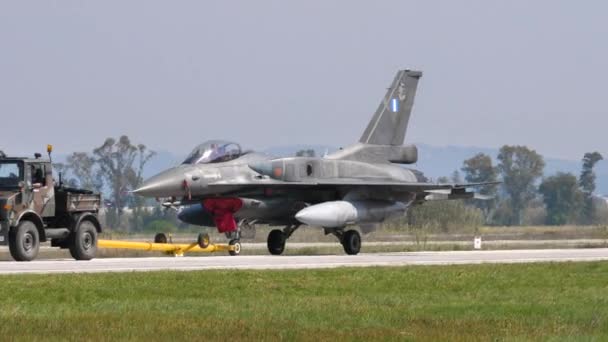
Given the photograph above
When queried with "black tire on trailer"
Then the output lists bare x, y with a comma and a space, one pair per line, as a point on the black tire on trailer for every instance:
237, 247
160, 238
203, 240
276, 242
351, 241
24, 241
83, 241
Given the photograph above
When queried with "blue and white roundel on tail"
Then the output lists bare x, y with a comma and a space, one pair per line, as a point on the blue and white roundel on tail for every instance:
394, 105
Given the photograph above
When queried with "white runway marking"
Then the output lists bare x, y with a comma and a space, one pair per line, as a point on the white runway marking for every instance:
302, 262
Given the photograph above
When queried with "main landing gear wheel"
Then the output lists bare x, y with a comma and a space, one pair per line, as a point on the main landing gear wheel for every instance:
24, 241
237, 247
160, 238
276, 242
84, 241
351, 241
203, 240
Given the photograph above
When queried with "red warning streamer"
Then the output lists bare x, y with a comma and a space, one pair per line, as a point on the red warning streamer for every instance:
223, 210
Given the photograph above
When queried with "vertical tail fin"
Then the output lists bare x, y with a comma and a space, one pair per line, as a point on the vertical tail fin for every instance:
389, 123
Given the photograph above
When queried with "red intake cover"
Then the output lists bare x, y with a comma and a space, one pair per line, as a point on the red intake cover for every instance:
223, 210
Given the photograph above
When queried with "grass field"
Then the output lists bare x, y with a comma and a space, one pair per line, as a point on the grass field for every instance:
462, 303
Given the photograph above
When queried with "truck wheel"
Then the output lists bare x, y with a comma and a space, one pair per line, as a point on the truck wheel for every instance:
24, 241
84, 241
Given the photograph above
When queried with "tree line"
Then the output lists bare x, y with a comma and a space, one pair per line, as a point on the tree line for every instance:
525, 196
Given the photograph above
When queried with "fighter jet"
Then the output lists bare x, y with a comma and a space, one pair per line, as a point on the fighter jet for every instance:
224, 186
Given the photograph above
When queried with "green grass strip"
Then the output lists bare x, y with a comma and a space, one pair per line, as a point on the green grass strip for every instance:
559, 301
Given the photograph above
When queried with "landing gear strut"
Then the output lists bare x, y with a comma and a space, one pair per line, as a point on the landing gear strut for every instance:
235, 235
277, 239
247, 229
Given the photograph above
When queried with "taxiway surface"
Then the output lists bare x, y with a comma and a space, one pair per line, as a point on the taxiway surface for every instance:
302, 262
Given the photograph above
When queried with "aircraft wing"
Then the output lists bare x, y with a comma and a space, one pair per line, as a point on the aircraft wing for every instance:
346, 182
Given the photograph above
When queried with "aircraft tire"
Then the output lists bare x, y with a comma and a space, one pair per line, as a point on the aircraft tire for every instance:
276, 242
237, 247
24, 241
351, 242
83, 244
203, 240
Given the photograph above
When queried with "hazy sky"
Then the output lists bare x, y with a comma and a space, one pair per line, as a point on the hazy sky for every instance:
172, 74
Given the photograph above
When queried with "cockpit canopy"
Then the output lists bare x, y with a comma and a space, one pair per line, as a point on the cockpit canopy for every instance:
214, 151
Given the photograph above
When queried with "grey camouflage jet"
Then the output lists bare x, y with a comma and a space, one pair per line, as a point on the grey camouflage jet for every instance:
221, 185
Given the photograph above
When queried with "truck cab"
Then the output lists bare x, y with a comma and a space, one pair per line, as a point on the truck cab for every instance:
34, 209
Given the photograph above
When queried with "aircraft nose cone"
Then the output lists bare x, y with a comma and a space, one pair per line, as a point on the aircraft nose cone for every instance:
166, 184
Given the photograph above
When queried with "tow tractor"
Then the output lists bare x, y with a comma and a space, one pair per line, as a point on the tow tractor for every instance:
34, 209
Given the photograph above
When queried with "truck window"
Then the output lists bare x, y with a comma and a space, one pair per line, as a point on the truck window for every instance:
38, 175
11, 173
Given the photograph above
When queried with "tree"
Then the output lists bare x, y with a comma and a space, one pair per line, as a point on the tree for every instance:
587, 184
135, 179
85, 170
456, 178
443, 180
520, 168
306, 153
116, 159
563, 198
63, 173
2, 154
479, 169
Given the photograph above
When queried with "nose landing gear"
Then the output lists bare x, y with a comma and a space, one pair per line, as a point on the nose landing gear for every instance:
236, 250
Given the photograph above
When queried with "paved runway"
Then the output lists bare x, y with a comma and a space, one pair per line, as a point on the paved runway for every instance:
301, 262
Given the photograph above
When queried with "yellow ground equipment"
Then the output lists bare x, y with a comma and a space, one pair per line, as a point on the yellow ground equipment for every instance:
176, 249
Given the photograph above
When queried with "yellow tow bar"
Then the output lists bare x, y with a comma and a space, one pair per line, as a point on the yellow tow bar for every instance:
175, 249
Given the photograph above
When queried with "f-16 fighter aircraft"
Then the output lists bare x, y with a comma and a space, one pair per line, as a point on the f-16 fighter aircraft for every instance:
221, 185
